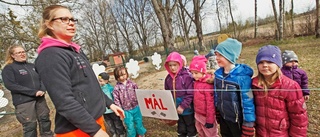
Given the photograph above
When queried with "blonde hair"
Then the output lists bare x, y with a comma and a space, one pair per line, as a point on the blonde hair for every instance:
9, 59
47, 16
266, 84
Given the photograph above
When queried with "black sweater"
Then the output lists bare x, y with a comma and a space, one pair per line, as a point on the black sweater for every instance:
23, 82
73, 88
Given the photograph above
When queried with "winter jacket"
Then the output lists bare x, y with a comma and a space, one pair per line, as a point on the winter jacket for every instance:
125, 95
108, 89
23, 82
203, 99
233, 96
72, 86
183, 84
281, 112
298, 75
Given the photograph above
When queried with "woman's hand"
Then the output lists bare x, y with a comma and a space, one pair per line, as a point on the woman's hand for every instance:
117, 110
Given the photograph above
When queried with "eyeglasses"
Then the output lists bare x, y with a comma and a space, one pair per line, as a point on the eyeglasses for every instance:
20, 53
66, 20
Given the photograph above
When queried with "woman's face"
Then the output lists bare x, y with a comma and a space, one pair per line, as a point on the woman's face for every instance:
19, 54
63, 25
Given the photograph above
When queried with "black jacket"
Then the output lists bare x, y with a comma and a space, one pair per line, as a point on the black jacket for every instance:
23, 82
73, 88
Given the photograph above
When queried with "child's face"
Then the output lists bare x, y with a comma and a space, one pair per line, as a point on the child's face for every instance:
173, 66
102, 81
292, 63
123, 76
221, 60
267, 68
196, 74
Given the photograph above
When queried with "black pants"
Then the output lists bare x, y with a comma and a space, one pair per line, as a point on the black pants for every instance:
230, 129
28, 114
186, 126
114, 123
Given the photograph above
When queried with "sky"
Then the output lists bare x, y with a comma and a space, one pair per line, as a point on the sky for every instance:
244, 9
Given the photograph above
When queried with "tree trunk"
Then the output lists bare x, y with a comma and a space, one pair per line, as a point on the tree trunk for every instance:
164, 14
276, 19
197, 22
233, 23
218, 15
281, 20
255, 19
317, 27
292, 23
184, 24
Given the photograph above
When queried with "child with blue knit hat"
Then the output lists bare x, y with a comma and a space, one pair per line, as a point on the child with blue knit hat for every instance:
235, 110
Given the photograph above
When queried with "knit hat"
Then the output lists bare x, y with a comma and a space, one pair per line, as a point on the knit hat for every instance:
230, 49
104, 76
289, 55
269, 53
199, 63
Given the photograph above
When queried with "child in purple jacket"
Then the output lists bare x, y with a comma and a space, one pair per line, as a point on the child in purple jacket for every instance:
180, 82
124, 95
291, 70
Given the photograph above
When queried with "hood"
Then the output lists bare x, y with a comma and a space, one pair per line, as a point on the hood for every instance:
47, 42
173, 56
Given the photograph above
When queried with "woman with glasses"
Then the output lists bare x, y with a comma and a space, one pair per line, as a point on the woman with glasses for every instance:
27, 92
70, 81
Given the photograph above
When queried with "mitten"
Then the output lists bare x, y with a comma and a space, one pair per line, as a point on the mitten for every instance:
247, 131
208, 125
218, 117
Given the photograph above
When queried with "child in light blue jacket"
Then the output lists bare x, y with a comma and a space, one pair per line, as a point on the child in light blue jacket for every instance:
113, 121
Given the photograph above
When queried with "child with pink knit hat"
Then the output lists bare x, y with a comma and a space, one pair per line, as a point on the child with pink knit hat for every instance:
203, 99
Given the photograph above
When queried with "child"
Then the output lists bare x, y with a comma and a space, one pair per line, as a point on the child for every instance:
280, 107
203, 99
291, 70
113, 121
233, 96
125, 96
180, 82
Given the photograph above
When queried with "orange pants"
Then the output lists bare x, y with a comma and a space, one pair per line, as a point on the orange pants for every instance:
80, 133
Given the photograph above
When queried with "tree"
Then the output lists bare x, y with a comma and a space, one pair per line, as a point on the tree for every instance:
233, 22
164, 14
292, 22
185, 25
255, 18
278, 21
218, 3
317, 26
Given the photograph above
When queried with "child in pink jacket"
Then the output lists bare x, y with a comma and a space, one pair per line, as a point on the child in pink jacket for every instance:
203, 99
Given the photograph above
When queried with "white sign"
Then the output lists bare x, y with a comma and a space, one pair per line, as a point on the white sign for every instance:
157, 104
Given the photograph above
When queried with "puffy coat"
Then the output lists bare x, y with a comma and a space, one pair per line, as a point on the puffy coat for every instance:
280, 112
298, 75
203, 99
233, 96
